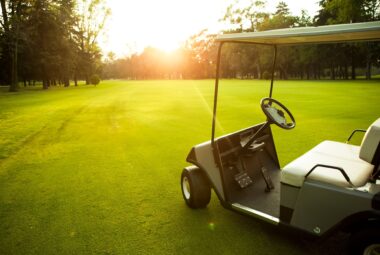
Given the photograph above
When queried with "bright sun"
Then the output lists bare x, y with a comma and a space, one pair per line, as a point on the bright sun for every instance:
165, 24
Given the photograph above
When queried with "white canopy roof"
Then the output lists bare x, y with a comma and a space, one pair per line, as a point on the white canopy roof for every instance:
367, 31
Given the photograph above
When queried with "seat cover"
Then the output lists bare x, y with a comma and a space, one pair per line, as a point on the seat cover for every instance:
370, 142
329, 153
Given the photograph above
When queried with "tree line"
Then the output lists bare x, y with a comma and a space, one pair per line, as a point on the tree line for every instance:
196, 58
55, 41
52, 41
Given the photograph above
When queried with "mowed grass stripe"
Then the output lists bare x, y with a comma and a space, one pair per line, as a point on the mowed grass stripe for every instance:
99, 171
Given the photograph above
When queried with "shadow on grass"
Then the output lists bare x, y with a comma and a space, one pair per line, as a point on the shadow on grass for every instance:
219, 230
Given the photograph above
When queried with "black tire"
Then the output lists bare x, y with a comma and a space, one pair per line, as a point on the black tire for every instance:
365, 242
195, 188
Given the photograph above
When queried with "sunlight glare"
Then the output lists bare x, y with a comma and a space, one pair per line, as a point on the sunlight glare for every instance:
166, 24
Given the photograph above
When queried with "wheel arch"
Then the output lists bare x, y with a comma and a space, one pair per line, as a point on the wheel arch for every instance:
198, 166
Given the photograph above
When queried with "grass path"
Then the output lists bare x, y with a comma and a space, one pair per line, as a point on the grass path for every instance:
96, 170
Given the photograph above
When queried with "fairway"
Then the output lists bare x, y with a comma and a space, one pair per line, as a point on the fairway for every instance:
96, 170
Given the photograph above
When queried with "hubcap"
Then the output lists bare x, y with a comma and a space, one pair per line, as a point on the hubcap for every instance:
373, 249
186, 187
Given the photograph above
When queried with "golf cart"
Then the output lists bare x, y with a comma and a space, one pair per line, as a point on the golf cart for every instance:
334, 186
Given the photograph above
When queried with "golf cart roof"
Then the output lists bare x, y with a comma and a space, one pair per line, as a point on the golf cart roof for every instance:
367, 31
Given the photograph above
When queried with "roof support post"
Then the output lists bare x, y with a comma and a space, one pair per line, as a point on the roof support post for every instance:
216, 93
273, 70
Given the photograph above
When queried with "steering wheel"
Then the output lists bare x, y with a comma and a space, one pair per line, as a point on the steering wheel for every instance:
276, 113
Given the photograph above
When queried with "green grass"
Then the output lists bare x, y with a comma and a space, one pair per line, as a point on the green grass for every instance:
95, 170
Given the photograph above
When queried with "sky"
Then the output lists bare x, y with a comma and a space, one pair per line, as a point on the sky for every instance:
165, 24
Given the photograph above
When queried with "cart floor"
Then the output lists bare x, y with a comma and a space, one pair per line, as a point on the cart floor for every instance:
255, 196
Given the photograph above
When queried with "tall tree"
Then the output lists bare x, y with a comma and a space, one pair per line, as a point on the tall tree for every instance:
282, 18
11, 21
92, 16
347, 11
40, 41
246, 18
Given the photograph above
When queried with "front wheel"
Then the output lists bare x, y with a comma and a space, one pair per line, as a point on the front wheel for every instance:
365, 242
195, 187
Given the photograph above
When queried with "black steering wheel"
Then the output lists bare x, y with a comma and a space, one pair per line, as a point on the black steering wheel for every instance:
276, 113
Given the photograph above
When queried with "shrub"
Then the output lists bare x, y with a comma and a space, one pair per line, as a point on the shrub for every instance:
94, 80
266, 75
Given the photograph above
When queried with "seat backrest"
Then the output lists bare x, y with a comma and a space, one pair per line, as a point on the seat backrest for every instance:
371, 143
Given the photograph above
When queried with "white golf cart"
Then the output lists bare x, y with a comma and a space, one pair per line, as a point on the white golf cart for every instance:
334, 186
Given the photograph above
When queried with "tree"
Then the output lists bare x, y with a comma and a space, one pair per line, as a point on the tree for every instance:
347, 11
200, 51
280, 19
11, 21
50, 36
304, 20
246, 18
44, 48
371, 10
92, 16
286, 56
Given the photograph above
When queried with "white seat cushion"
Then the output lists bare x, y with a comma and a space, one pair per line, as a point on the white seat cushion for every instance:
370, 142
329, 153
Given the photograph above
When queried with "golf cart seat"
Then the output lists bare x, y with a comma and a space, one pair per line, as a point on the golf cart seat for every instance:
356, 161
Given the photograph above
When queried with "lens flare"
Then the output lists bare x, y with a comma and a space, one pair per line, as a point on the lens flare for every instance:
211, 226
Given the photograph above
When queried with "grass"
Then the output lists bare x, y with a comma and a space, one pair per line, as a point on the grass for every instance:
95, 170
